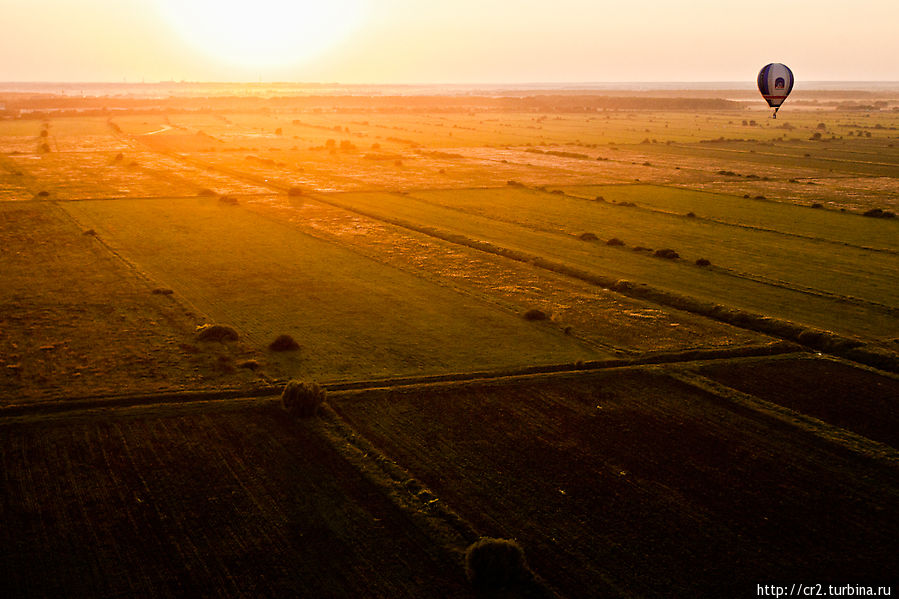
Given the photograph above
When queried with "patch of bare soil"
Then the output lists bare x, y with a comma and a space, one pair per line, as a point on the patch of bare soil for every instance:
857, 399
218, 502
630, 483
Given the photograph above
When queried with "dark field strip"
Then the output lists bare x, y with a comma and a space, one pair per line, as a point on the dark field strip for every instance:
217, 503
632, 483
861, 401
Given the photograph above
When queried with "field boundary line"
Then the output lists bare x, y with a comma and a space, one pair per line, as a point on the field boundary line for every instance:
725, 223
773, 155
771, 282
67, 404
832, 434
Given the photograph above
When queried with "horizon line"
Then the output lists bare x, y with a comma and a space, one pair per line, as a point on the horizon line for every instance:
431, 83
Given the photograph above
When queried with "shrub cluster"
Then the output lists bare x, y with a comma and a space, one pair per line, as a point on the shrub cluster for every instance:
496, 563
879, 213
534, 314
284, 343
216, 332
668, 254
302, 399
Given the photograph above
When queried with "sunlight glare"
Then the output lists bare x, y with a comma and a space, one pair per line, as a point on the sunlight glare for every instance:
264, 33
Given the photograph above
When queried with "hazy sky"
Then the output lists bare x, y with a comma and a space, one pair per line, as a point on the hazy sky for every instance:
458, 41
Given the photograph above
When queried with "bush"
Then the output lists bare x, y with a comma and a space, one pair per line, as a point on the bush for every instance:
534, 314
615, 242
294, 192
206, 193
496, 563
216, 332
703, 262
229, 200
668, 254
284, 343
589, 237
302, 399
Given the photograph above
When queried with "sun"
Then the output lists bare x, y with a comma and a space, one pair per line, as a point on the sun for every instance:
264, 33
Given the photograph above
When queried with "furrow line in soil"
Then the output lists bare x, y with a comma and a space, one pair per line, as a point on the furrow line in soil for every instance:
847, 440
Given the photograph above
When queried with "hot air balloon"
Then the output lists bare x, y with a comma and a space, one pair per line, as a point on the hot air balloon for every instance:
775, 83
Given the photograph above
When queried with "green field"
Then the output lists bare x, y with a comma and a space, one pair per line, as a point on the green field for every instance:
780, 217
768, 278
354, 318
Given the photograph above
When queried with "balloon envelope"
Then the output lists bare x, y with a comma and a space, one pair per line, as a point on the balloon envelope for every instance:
775, 83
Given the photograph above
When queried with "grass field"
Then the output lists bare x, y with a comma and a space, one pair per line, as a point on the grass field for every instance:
614, 322
354, 318
75, 321
643, 426
777, 276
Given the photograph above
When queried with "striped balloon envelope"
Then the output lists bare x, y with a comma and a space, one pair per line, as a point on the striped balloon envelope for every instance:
775, 83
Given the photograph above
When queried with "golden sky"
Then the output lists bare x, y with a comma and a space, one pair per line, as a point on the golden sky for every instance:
463, 41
